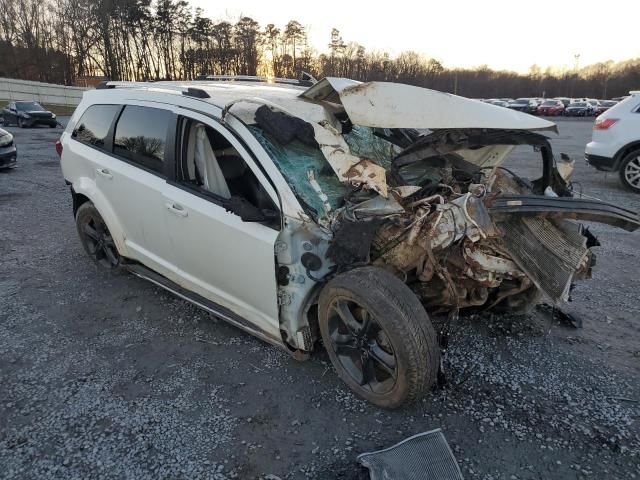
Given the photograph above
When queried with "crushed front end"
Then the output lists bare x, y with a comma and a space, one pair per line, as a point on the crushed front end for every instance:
463, 231
413, 181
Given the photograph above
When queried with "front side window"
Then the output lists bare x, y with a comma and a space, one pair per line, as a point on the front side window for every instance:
93, 126
210, 164
141, 134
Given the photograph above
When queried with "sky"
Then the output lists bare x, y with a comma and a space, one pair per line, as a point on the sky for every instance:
502, 34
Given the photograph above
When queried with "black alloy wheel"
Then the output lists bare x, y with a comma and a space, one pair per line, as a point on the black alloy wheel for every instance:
361, 346
95, 237
378, 336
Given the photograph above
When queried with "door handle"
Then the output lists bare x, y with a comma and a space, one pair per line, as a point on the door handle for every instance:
177, 209
105, 173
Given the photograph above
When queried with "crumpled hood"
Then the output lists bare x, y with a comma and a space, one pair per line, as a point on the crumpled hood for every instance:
396, 105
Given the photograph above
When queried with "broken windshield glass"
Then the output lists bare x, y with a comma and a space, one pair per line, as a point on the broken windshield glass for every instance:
295, 160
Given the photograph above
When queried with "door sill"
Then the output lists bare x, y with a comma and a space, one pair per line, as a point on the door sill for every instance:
202, 302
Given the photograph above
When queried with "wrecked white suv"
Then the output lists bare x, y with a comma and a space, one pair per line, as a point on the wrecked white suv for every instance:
344, 211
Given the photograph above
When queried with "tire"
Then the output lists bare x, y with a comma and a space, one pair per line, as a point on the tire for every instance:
392, 341
630, 171
96, 238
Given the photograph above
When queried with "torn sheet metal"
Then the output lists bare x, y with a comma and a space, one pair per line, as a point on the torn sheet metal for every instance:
420, 457
374, 207
348, 167
396, 105
568, 207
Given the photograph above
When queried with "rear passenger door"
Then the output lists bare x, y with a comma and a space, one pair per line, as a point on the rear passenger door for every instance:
133, 179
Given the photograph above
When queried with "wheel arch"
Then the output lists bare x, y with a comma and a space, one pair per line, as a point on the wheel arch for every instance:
624, 151
85, 191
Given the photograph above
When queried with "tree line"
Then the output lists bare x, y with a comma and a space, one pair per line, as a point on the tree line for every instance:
60, 41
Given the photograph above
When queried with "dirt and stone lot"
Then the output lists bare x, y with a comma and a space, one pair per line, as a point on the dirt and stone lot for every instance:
106, 376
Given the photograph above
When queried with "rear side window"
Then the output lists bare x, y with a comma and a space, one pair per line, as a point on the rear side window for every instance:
141, 133
93, 126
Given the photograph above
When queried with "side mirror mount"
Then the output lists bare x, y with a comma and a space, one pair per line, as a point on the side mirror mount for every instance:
249, 212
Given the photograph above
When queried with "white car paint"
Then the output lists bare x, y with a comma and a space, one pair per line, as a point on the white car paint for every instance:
616, 135
395, 105
608, 142
209, 251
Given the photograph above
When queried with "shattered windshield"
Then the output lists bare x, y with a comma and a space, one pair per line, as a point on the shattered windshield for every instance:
364, 143
295, 160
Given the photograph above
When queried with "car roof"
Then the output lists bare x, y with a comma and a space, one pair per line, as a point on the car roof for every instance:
395, 106
219, 92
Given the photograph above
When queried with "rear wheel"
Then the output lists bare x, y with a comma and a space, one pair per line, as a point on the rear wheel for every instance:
630, 171
95, 237
378, 336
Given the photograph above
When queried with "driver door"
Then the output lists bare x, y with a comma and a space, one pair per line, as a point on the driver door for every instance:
219, 255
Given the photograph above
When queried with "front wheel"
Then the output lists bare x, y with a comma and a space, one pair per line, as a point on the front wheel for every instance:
378, 336
630, 171
95, 236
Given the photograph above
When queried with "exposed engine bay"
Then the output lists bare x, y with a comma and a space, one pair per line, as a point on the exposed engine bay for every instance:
450, 238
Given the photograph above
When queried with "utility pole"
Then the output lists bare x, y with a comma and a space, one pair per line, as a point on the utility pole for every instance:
576, 64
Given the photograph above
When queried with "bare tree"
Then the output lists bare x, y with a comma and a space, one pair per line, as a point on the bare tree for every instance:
61, 40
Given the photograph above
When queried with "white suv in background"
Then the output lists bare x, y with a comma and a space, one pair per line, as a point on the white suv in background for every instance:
615, 143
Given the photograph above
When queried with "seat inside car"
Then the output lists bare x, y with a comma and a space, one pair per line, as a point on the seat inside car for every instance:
213, 164
202, 164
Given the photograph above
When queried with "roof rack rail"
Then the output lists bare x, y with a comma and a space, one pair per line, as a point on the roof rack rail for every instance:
185, 90
305, 80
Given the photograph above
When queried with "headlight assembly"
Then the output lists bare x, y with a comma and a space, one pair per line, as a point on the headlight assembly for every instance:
6, 140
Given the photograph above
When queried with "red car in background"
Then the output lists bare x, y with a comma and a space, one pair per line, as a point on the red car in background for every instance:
551, 108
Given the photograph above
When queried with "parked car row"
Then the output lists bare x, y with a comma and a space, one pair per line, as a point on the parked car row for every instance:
22, 113
570, 107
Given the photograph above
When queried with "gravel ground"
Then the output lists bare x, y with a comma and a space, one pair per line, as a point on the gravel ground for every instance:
106, 376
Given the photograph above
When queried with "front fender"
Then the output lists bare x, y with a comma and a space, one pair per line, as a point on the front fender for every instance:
88, 188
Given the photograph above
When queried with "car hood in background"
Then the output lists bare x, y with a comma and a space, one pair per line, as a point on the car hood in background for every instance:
396, 105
